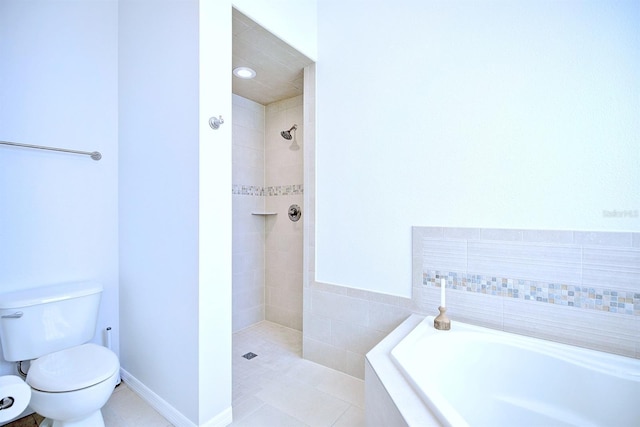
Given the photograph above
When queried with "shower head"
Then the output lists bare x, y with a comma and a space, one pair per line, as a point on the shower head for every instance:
286, 134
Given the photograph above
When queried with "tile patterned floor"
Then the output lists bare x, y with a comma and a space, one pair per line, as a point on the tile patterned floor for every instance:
278, 388
275, 389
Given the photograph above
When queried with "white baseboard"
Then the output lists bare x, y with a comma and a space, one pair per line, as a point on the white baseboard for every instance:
223, 419
175, 417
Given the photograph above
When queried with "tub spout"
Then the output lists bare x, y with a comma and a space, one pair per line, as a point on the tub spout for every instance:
442, 322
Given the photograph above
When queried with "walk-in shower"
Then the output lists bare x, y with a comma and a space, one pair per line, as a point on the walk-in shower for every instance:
268, 177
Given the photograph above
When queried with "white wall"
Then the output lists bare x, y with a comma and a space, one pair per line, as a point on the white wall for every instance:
58, 87
175, 206
470, 114
215, 214
171, 340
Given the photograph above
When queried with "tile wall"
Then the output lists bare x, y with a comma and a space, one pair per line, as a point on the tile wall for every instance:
576, 287
267, 178
283, 237
580, 288
248, 196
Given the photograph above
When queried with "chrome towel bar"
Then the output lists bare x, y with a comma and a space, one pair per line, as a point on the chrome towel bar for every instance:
95, 155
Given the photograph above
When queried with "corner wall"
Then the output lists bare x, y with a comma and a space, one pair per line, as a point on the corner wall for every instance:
283, 238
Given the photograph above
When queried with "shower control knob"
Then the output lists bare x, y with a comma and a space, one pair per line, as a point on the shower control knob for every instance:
294, 213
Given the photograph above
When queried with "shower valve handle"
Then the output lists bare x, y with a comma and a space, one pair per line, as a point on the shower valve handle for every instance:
294, 213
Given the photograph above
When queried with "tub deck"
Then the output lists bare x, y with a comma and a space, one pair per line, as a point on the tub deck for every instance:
477, 376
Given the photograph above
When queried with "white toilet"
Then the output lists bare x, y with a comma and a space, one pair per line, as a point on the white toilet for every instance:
50, 326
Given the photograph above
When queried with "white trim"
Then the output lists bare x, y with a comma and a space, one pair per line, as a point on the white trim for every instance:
172, 415
223, 419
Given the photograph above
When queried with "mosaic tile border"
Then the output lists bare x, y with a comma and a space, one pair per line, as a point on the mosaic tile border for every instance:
278, 190
247, 190
284, 190
552, 293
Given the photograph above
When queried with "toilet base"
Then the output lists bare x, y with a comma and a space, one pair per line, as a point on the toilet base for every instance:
93, 420
79, 408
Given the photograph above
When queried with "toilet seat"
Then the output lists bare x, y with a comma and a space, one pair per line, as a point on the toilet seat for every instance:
72, 369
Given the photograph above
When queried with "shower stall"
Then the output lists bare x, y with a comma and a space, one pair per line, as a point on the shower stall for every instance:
269, 213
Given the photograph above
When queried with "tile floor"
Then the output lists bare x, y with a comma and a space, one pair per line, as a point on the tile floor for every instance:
275, 389
278, 388
124, 409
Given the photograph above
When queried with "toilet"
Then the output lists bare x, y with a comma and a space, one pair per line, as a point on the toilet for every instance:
70, 378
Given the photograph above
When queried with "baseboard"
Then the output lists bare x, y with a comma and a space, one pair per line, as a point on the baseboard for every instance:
172, 415
223, 419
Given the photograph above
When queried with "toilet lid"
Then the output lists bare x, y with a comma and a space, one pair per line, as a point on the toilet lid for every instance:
72, 369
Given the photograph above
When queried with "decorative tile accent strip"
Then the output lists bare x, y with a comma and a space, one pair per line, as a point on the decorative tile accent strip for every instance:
247, 190
552, 293
284, 190
279, 190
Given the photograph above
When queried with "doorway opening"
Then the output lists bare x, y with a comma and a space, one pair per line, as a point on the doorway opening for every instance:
273, 147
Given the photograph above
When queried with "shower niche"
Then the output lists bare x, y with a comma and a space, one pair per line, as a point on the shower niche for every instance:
268, 177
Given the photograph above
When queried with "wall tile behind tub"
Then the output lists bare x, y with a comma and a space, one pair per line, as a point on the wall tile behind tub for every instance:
524, 260
599, 330
581, 288
343, 324
619, 267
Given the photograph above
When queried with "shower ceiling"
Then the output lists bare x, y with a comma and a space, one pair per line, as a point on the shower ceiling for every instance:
278, 66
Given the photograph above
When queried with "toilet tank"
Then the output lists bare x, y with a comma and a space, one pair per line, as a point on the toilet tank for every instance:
38, 321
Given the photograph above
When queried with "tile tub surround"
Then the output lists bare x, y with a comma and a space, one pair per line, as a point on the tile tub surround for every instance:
383, 380
577, 287
341, 324
530, 290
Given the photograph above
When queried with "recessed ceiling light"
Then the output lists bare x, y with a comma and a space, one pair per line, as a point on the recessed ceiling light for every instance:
244, 72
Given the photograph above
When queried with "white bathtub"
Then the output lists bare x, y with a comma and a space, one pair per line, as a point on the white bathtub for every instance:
473, 376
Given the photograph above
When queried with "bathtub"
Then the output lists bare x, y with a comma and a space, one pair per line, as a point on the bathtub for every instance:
473, 376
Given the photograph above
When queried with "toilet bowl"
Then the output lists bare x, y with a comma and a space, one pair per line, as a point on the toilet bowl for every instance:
70, 386
52, 326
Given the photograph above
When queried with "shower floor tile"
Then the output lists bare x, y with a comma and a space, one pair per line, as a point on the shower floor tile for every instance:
279, 387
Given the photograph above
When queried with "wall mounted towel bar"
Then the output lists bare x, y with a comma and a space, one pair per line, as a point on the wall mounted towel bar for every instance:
95, 155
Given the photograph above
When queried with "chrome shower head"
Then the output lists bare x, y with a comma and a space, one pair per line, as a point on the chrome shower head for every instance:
286, 134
